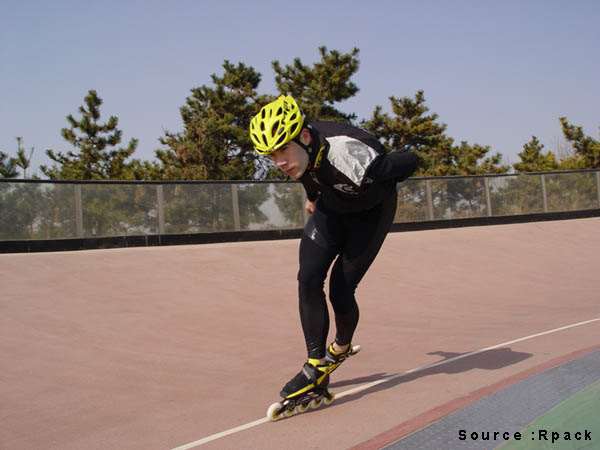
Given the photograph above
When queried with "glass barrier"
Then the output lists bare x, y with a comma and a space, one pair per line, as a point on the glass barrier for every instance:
46, 210
412, 201
197, 208
37, 211
118, 209
571, 191
458, 198
516, 194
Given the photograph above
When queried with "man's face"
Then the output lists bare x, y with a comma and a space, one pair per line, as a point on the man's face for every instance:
291, 159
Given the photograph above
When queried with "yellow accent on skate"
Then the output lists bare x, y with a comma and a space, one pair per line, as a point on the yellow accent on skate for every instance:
301, 391
324, 369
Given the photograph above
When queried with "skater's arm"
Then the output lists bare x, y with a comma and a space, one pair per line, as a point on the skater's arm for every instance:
396, 166
311, 195
310, 187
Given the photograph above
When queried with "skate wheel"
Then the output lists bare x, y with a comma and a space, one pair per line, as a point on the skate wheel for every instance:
355, 349
273, 413
302, 407
329, 400
289, 412
314, 404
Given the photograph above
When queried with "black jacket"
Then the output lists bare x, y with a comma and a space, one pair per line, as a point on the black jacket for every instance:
351, 170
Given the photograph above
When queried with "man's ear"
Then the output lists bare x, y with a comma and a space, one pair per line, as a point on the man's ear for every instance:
305, 136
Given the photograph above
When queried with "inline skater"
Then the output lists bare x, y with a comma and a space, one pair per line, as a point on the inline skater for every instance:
350, 183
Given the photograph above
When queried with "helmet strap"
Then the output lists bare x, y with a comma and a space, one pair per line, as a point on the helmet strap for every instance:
313, 148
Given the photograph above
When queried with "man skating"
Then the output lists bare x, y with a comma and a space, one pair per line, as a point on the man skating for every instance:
350, 183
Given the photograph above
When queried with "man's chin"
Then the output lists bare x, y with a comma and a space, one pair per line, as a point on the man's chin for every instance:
298, 175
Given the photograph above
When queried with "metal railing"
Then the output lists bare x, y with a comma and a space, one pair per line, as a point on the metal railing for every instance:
33, 209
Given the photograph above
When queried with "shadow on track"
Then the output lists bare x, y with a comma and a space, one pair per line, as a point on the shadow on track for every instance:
489, 360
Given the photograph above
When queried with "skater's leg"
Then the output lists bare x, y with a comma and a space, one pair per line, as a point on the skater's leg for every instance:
365, 236
318, 248
341, 294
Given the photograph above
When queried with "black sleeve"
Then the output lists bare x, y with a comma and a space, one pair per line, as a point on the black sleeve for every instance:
396, 166
310, 194
311, 188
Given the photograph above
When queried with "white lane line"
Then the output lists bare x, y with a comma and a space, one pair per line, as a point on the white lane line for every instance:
213, 437
366, 386
456, 358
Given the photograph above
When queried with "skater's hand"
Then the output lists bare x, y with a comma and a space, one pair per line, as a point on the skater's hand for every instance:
309, 206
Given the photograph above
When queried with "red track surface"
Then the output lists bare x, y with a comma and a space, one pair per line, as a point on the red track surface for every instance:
151, 348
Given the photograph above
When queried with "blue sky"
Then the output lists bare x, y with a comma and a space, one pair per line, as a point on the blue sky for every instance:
495, 72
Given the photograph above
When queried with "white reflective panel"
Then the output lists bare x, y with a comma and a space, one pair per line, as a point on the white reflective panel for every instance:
350, 156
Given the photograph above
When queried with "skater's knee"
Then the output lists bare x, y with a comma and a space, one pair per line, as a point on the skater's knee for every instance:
341, 296
310, 279
344, 306
311, 292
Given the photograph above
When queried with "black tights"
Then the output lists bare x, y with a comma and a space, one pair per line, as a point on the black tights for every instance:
355, 239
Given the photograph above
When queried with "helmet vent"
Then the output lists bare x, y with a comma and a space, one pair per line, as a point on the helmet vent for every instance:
280, 140
274, 128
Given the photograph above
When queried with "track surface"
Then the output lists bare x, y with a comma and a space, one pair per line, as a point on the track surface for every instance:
154, 348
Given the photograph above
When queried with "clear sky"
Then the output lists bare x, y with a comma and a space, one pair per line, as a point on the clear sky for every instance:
496, 72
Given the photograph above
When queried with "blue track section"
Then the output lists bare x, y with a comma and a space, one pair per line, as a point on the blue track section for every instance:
508, 410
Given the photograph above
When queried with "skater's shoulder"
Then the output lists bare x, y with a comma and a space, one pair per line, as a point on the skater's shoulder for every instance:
329, 128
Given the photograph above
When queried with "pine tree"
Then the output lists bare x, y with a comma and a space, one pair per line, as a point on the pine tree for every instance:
94, 157
8, 166
410, 127
473, 159
533, 160
587, 149
319, 87
23, 161
215, 144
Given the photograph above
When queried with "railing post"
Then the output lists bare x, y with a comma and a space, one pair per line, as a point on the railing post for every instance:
429, 200
488, 201
236, 207
545, 195
160, 208
78, 211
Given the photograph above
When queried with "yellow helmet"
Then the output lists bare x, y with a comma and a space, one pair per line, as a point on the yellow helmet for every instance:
276, 124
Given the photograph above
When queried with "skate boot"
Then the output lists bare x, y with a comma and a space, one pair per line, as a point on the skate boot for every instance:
333, 359
308, 389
